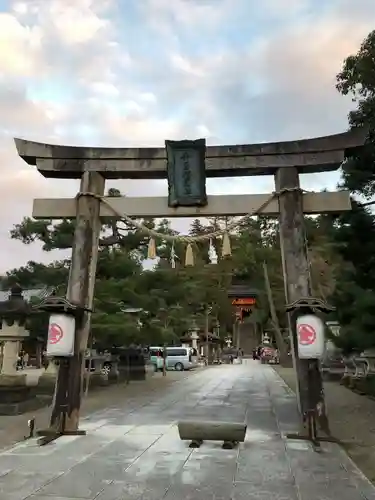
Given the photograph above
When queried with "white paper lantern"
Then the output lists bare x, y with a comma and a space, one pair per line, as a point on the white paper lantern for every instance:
61, 333
310, 337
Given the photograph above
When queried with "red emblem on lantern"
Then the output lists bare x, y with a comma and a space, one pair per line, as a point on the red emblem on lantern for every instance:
55, 333
306, 334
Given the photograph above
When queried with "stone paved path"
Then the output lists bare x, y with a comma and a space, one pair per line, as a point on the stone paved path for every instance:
132, 451
351, 419
14, 428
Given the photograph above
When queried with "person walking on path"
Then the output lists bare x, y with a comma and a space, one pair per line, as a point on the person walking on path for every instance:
26, 360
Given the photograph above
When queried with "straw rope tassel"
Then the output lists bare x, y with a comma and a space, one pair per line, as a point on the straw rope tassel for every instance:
226, 248
212, 253
189, 256
173, 257
151, 252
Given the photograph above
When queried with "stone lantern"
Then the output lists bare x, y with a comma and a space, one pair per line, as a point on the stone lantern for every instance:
194, 335
15, 395
228, 341
13, 315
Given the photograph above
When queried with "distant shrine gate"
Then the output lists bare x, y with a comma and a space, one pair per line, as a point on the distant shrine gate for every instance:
284, 160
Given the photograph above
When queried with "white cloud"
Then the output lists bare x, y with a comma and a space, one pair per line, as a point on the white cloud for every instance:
164, 15
19, 47
76, 22
20, 8
83, 72
104, 89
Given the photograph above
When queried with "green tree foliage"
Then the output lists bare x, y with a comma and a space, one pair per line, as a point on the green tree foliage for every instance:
36, 275
354, 232
354, 238
357, 79
119, 234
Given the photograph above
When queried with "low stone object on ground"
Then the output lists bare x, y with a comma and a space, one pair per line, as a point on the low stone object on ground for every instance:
16, 396
212, 431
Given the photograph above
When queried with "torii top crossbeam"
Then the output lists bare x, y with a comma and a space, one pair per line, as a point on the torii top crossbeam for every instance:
319, 154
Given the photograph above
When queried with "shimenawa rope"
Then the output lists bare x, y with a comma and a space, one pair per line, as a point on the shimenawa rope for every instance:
188, 239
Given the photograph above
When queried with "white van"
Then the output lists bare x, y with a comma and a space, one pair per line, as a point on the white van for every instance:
177, 358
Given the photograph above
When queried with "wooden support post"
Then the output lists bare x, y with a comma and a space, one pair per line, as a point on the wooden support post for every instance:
60, 397
296, 271
284, 358
81, 285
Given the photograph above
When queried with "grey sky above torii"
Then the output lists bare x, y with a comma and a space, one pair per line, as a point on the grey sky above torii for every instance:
293, 67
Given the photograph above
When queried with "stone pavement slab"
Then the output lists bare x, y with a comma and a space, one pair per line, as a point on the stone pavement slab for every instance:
14, 428
132, 450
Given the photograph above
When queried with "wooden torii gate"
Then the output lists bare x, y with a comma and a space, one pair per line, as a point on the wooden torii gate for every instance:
284, 160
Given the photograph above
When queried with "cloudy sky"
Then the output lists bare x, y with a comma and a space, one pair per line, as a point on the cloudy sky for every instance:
137, 72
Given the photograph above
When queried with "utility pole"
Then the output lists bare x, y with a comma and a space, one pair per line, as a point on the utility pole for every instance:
295, 269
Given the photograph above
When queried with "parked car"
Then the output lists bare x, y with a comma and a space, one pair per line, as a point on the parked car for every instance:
177, 358
269, 355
